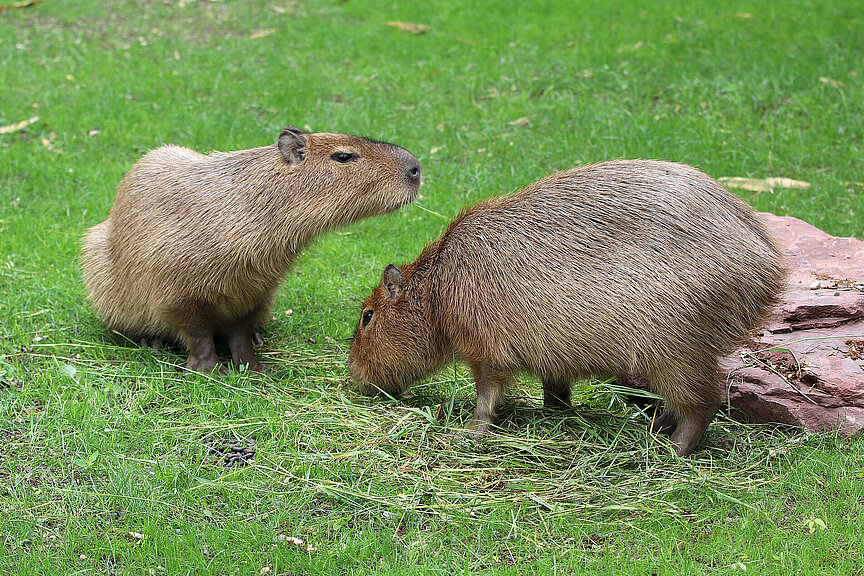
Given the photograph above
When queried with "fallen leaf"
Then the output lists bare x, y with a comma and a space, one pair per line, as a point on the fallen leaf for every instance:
294, 541
744, 15
436, 149
138, 535
522, 121
25, 4
68, 370
762, 184
261, 33
19, 126
409, 27
786, 183
751, 184
831, 82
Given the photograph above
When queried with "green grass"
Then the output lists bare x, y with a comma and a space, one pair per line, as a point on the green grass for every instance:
108, 460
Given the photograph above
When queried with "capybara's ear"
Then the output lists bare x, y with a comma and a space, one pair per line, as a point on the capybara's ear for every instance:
392, 280
292, 144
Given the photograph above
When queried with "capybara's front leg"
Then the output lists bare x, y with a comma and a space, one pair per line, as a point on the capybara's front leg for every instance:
241, 341
202, 352
194, 320
491, 384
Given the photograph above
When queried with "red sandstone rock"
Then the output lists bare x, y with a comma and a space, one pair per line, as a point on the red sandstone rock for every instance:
807, 368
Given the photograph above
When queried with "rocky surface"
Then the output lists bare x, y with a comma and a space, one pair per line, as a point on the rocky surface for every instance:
807, 367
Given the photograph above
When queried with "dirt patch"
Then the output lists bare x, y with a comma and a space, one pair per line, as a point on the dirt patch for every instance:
786, 365
827, 282
7, 383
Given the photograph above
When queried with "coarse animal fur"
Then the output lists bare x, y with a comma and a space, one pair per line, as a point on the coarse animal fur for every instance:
196, 245
623, 268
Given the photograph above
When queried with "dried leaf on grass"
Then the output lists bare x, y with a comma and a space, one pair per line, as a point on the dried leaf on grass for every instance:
294, 541
786, 183
522, 121
261, 33
831, 82
25, 4
409, 27
762, 184
18, 126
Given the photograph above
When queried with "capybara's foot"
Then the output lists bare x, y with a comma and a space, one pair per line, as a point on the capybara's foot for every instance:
153, 342
664, 424
252, 367
206, 365
690, 429
243, 351
477, 429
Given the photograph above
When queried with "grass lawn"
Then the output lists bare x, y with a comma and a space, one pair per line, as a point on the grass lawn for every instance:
112, 457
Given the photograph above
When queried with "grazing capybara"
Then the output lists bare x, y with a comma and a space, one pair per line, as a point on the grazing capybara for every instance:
196, 245
623, 268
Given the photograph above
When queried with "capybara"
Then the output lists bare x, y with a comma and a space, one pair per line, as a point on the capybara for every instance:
624, 268
195, 245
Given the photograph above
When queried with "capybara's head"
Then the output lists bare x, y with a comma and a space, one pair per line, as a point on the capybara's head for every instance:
394, 344
351, 175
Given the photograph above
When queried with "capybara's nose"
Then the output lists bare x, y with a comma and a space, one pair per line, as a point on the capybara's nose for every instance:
414, 173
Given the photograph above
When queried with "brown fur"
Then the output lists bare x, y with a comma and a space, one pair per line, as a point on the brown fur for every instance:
624, 268
196, 245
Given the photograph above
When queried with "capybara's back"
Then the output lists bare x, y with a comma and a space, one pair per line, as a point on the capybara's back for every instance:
624, 268
634, 264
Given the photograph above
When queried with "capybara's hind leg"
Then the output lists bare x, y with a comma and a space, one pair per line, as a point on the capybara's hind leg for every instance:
692, 395
556, 394
241, 341
491, 384
690, 429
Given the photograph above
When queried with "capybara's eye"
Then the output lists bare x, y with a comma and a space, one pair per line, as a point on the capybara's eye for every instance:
344, 157
367, 316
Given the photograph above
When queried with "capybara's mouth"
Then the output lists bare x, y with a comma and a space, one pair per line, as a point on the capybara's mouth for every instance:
410, 198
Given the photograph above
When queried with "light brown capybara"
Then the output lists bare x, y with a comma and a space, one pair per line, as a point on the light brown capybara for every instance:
196, 245
624, 268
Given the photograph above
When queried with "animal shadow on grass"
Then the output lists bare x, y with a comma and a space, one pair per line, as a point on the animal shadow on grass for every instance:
522, 424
